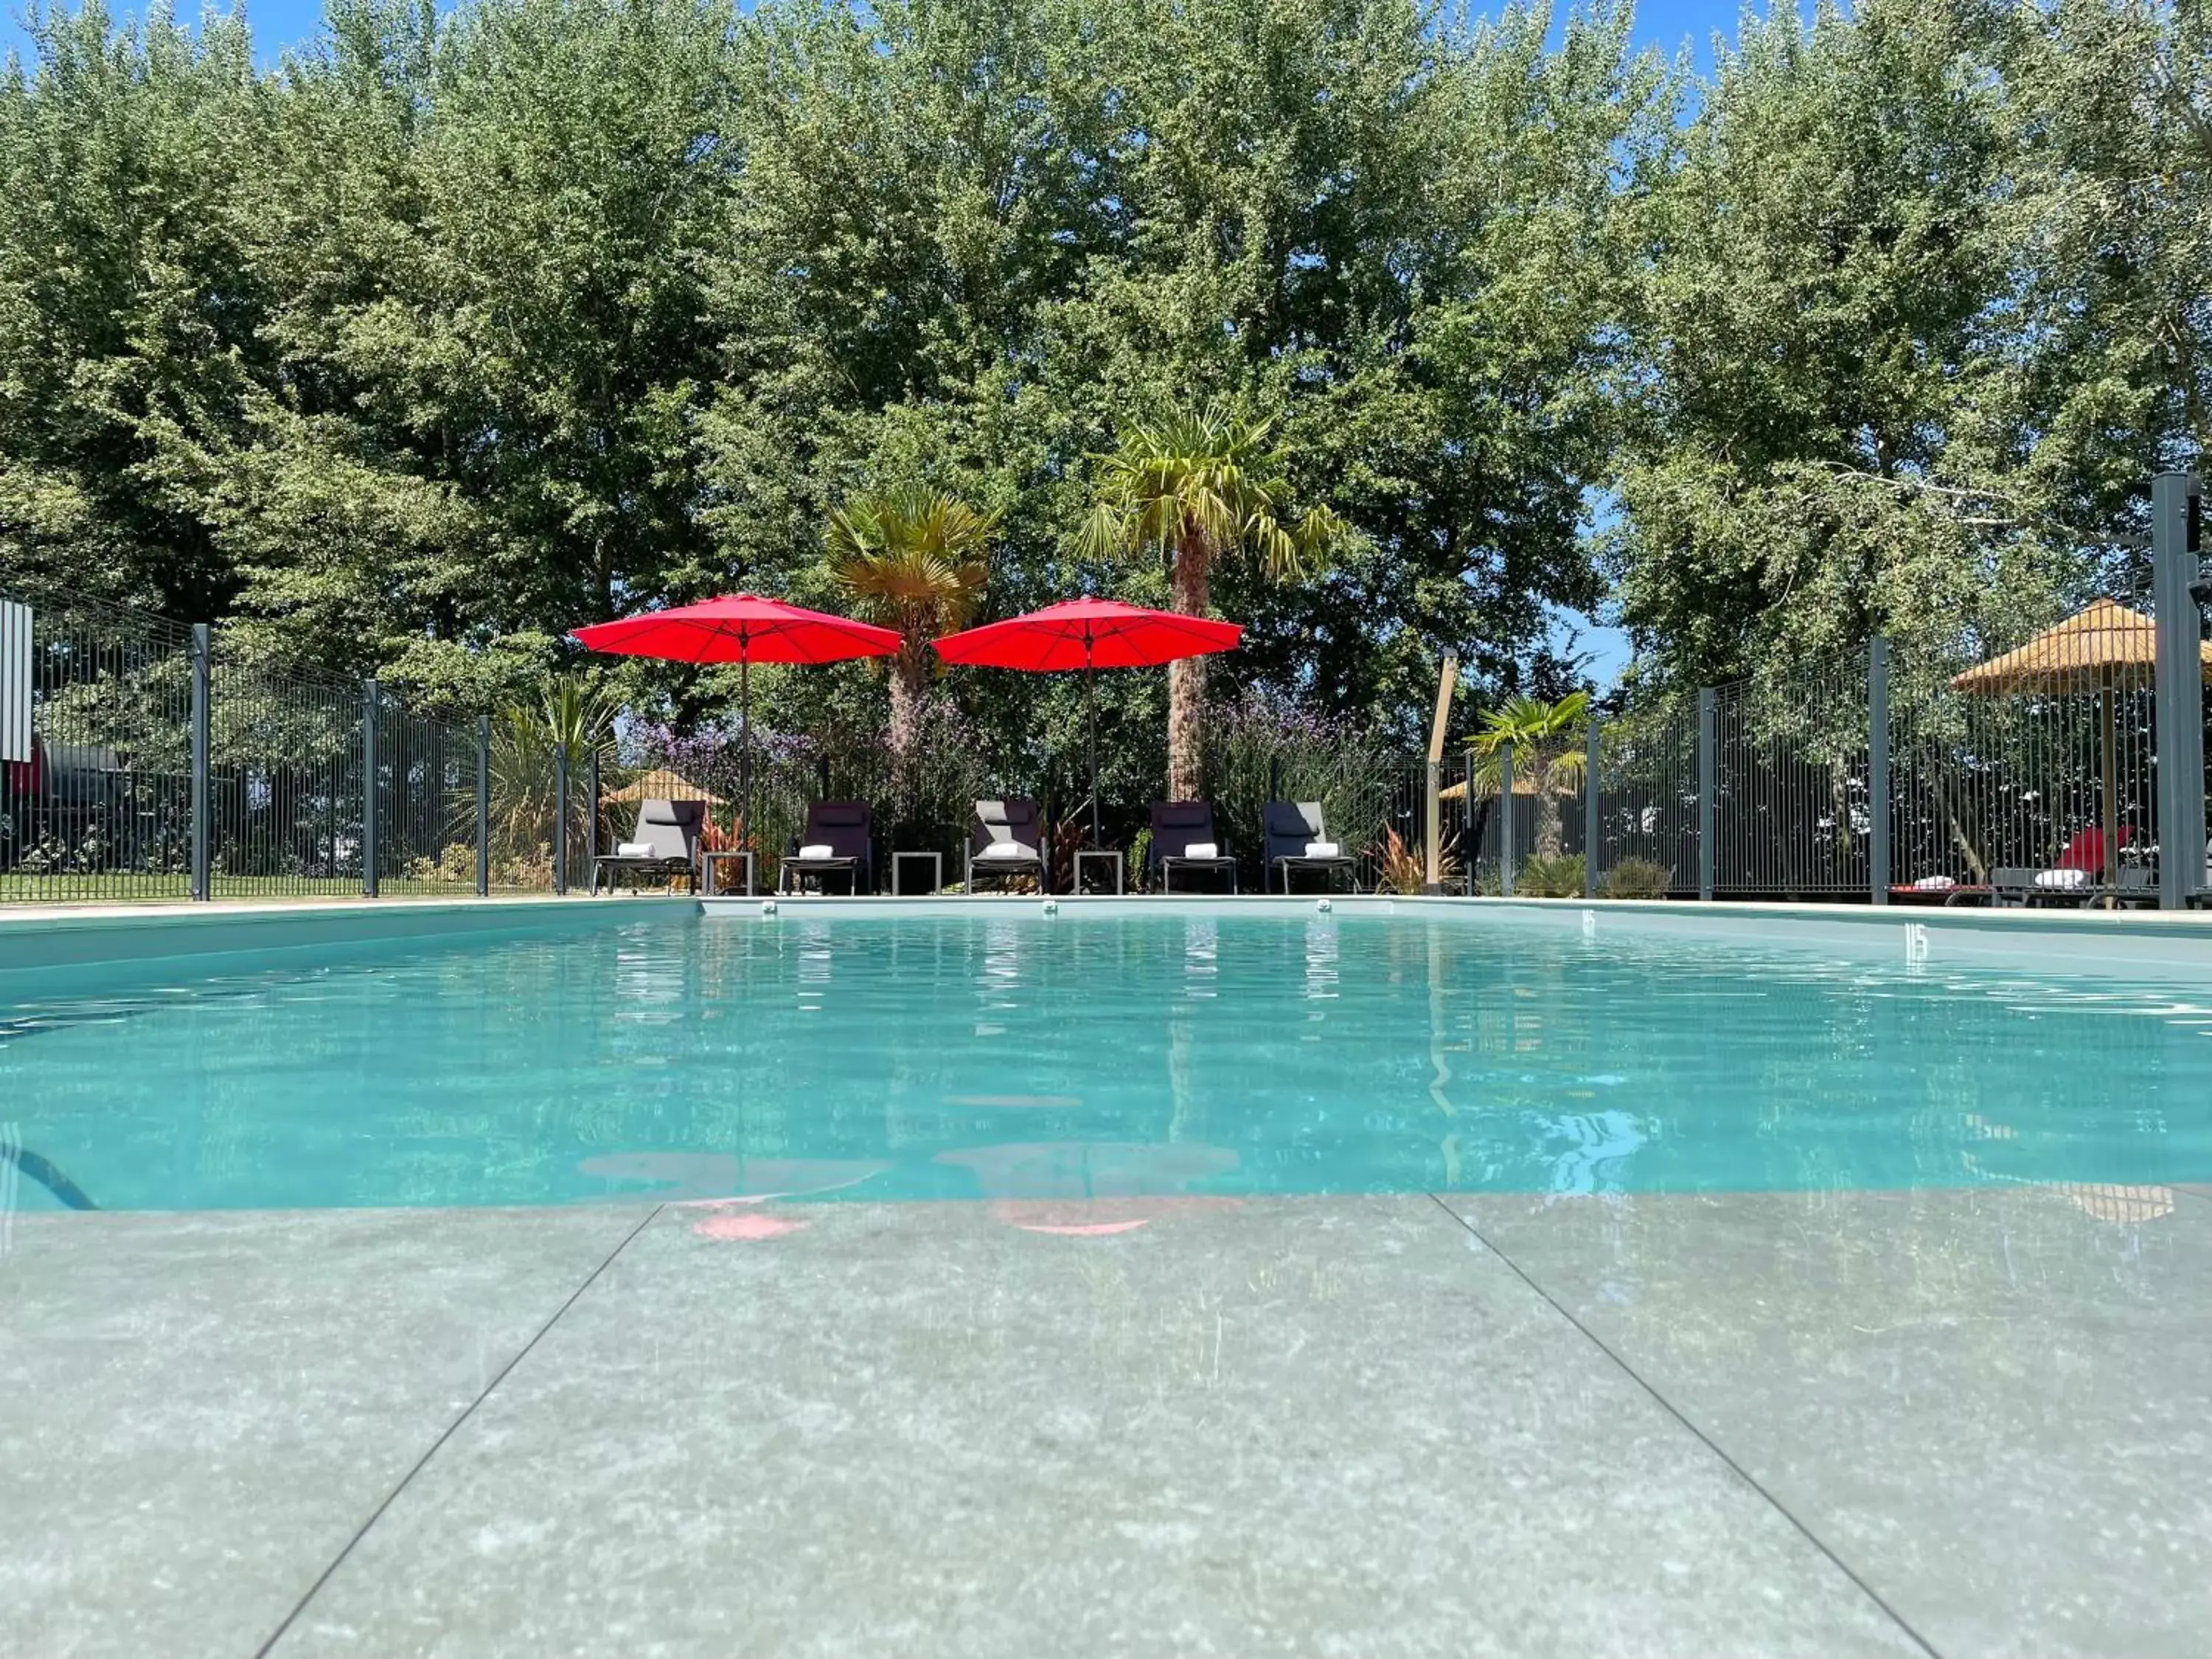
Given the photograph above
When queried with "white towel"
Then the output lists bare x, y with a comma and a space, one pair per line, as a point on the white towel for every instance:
1936, 883
2067, 879
1007, 849
1322, 849
1201, 850
818, 849
634, 849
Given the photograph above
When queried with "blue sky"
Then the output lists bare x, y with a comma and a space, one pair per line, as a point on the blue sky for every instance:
280, 24
1666, 24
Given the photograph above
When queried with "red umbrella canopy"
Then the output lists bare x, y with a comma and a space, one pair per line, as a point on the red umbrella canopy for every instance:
1090, 634
740, 628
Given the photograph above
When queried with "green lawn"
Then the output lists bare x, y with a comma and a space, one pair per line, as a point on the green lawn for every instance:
16, 888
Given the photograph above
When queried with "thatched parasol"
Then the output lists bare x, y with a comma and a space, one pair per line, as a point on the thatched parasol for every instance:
1524, 783
2097, 650
660, 784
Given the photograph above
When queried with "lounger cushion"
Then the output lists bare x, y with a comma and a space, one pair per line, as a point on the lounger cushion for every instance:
839, 818
1184, 815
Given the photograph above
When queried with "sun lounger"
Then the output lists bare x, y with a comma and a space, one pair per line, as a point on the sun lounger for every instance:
839, 841
1293, 839
665, 843
1184, 838
1009, 840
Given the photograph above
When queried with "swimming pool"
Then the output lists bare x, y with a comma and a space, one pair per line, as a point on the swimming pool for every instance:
1010, 1055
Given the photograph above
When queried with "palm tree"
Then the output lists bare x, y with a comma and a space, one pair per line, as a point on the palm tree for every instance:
1194, 488
1546, 740
912, 560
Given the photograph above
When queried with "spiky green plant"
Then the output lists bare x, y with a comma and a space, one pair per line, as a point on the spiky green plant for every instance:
571, 716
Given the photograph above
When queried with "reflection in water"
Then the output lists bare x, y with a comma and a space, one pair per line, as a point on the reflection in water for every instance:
1074, 1169
1592, 1149
676, 1175
1164, 1055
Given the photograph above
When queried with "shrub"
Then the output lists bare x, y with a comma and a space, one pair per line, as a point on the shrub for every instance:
1405, 869
1558, 875
1637, 878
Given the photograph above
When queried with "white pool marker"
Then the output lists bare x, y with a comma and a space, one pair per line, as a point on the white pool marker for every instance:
1589, 924
1052, 907
1326, 905
1916, 943
768, 907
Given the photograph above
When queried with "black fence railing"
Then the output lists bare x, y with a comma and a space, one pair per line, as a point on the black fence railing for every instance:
140, 760
149, 762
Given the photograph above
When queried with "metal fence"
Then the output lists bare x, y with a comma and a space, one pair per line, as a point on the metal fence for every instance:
146, 761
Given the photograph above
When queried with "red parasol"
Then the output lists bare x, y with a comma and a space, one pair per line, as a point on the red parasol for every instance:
743, 629
1090, 635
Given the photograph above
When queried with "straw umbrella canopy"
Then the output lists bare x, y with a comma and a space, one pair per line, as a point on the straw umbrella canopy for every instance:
1524, 783
661, 784
2096, 651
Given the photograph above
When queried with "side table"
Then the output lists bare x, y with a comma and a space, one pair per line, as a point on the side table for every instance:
1109, 856
709, 860
936, 871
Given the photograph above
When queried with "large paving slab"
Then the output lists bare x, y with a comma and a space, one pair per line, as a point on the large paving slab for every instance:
1295, 1426
1995, 1406
202, 1410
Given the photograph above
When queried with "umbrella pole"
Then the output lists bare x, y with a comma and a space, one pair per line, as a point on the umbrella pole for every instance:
2111, 842
1091, 703
745, 751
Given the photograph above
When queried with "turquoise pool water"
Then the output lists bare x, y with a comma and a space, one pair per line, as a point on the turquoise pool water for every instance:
1023, 1059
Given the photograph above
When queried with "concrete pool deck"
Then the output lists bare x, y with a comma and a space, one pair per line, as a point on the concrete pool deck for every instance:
1959, 1422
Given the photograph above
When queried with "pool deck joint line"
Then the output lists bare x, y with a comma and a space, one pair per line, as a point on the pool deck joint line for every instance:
1706, 1440
447, 1433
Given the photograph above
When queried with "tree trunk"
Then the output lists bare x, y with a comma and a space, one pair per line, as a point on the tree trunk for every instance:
1187, 678
1550, 826
909, 691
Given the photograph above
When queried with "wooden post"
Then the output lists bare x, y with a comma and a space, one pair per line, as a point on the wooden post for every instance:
1447, 683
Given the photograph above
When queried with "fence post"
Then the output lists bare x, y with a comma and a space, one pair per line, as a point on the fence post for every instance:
1505, 820
1591, 849
203, 791
561, 820
368, 849
2177, 504
483, 805
1878, 770
592, 811
1707, 788
1433, 824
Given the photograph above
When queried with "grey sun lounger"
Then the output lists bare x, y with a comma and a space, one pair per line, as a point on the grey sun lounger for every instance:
1177, 826
1287, 828
2021, 888
846, 829
670, 829
1016, 825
